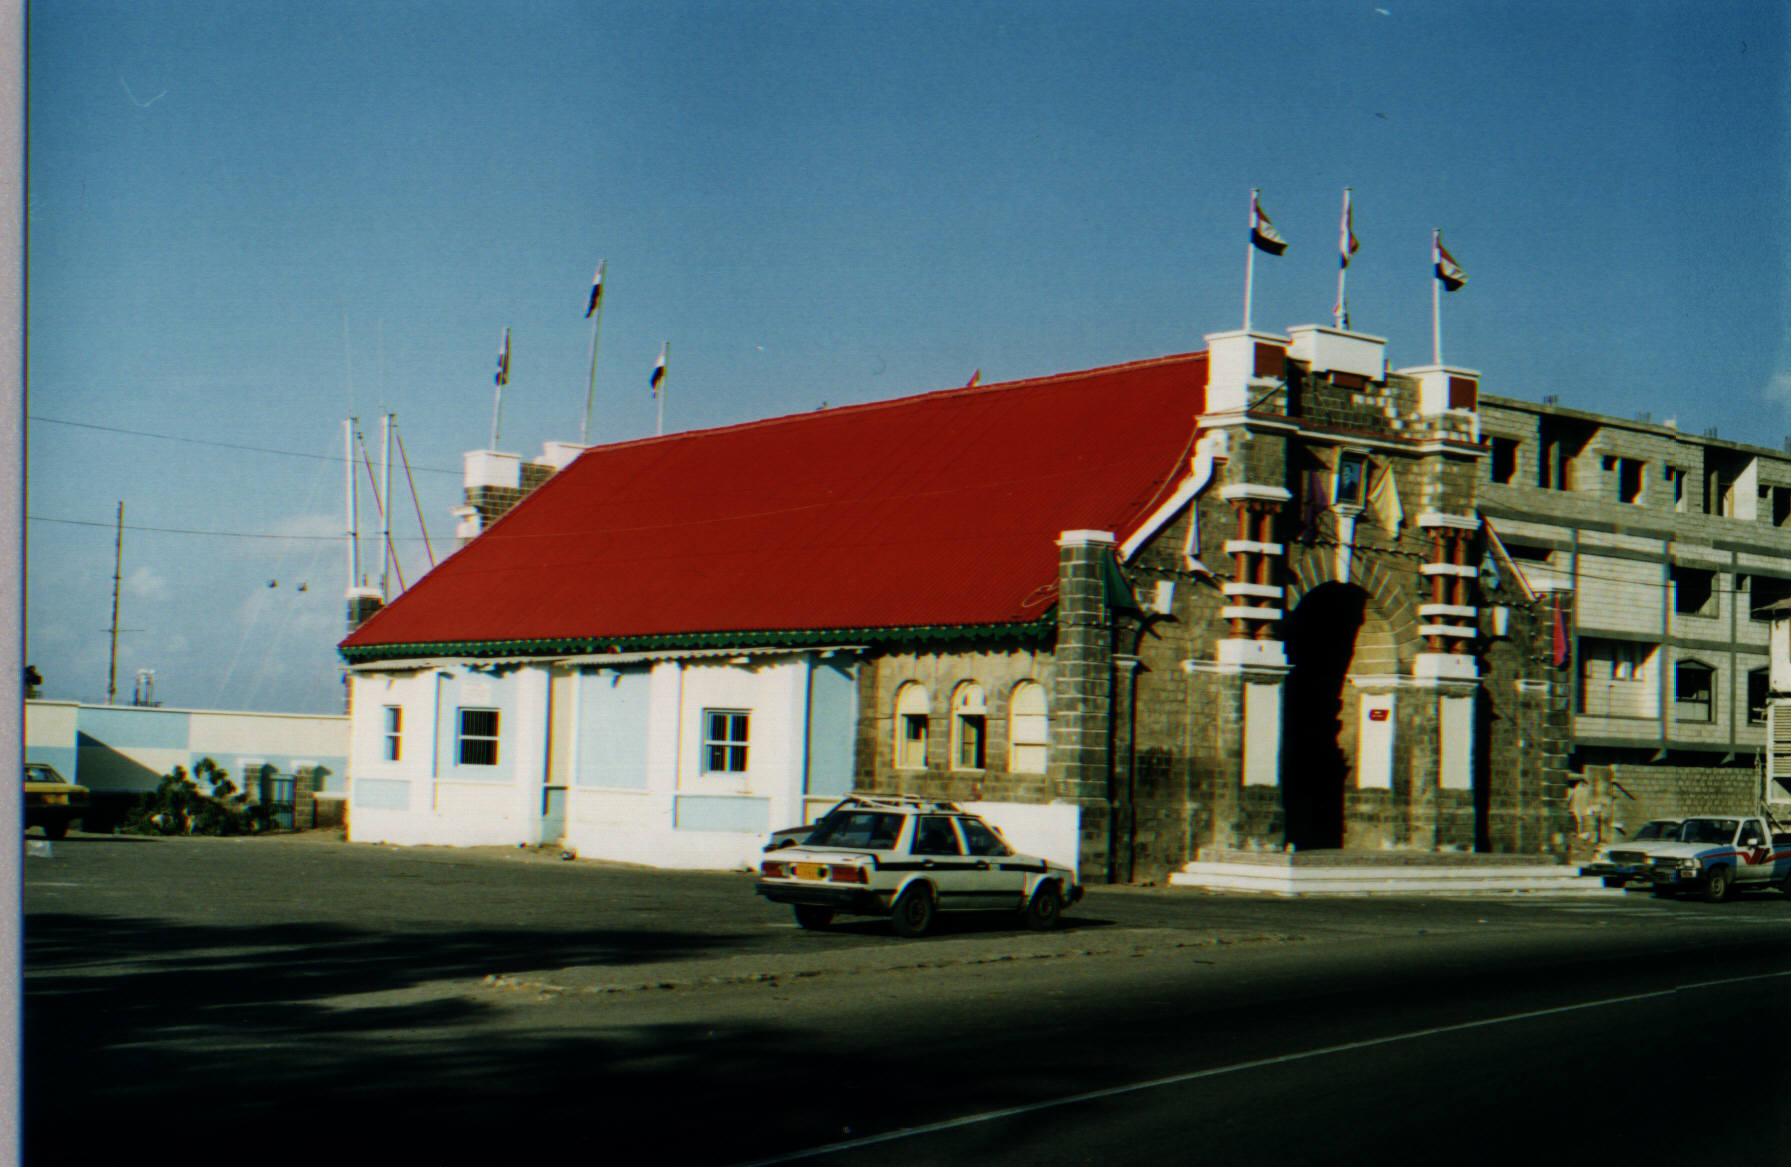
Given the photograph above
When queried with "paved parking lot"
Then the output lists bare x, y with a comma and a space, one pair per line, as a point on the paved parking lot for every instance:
274, 991
507, 911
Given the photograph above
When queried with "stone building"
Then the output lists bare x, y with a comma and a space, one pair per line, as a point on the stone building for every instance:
1664, 550
1233, 599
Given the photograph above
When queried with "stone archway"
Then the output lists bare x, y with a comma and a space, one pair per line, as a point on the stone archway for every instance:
1336, 630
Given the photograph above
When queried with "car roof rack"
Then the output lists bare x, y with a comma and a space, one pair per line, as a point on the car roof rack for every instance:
906, 802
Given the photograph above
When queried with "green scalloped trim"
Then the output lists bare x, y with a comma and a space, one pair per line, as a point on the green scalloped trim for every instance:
1039, 629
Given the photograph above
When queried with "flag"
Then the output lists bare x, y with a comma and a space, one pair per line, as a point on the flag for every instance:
596, 292
1560, 638
1347, 243
503, 369
1262, 232
1448, 271
658, 372
1383, 500
975, 380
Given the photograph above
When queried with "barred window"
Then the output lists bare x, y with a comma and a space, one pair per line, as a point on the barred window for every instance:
725, 735
477, 741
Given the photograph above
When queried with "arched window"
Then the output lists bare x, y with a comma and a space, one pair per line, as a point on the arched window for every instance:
1693, 690
1028, 729
969, 718
911, 711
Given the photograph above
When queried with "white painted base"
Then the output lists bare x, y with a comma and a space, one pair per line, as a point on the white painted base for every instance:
634, 828
428, 829
1553, 879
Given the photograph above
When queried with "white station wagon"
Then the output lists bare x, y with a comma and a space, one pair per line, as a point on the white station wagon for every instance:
909, 859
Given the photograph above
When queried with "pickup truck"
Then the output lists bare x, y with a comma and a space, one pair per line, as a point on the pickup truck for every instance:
1716, 854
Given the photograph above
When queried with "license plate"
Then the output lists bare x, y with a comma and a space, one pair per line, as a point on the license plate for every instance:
811, 871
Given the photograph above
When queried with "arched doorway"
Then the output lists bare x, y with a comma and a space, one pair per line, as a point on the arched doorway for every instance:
1325, 636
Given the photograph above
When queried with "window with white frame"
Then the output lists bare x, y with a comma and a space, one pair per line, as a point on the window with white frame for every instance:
725, 733
969, 719
394, 732
912, 710
476, 738
1028, 729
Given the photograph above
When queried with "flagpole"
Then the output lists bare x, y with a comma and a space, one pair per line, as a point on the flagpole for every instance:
1250, 259
1436, 297
665, 380
497, 404
584, 428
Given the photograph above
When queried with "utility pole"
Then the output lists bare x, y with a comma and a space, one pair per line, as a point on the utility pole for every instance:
117, 574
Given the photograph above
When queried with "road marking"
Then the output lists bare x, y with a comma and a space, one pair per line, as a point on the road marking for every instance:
1256, 1064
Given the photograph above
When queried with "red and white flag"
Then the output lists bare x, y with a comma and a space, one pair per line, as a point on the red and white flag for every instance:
1262, 231
1448, 271
1347, 243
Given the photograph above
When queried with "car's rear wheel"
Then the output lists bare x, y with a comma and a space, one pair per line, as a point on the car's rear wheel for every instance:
813, 918
1045, 909
55, 828
913, 911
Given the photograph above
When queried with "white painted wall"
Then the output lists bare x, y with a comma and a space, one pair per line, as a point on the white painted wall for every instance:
1050, 831
1455, 746
1374, 748
1262, 734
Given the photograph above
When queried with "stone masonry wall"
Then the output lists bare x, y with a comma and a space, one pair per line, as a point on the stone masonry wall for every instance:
997, 669
1635, 794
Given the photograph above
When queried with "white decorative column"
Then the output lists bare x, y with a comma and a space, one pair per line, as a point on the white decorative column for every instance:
1448, 668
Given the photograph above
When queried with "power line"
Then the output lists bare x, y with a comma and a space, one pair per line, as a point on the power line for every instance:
213, 534
112, 429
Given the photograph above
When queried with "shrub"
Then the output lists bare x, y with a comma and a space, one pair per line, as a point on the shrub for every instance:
178, 806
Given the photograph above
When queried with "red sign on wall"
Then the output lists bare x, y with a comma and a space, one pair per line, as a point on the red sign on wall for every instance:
1378, 714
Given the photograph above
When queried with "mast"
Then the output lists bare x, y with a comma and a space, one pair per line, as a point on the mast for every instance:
353, 517
385, 506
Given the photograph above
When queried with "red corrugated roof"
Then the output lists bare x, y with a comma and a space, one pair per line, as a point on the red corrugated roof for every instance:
939, 509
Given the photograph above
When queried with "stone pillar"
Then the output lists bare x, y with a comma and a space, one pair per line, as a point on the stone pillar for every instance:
1082, 693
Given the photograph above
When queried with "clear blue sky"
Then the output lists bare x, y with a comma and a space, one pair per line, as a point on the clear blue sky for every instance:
248, 221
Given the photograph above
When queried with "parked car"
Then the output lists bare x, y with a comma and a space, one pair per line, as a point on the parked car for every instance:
1621, 862
910, 859
52, 801
790, 836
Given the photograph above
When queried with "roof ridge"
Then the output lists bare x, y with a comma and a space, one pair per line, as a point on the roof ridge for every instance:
892, 402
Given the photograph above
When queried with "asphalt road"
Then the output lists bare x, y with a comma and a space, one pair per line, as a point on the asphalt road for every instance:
284, 999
